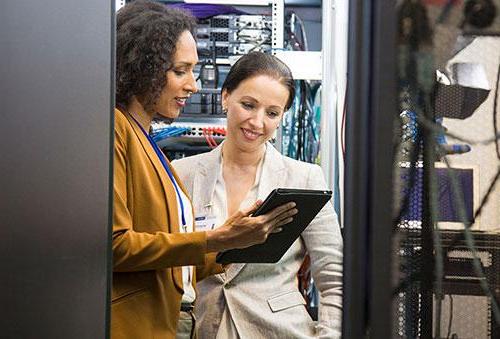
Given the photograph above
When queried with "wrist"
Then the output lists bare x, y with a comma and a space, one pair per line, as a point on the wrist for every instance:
216, 240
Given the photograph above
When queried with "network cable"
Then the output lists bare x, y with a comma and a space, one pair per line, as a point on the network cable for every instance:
167, 132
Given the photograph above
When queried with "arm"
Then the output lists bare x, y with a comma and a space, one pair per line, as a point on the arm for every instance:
139, 251
240, 230
323, 241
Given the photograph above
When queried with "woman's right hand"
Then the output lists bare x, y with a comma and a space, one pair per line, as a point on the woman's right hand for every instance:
242, 230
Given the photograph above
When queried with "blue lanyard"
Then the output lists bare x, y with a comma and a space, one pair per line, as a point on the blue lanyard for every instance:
161, 156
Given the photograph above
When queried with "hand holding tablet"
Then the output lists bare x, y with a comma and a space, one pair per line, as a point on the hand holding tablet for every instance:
308, 203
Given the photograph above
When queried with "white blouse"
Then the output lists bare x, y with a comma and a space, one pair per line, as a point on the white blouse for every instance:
189, 295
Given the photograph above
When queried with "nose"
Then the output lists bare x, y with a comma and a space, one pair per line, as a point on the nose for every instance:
190, 85
257, 119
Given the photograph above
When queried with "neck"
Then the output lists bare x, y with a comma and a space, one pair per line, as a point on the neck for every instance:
236, 157
136, 110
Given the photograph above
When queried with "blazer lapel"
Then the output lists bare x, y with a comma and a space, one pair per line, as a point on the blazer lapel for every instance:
205, 178
272, 176
168, 190
273, 172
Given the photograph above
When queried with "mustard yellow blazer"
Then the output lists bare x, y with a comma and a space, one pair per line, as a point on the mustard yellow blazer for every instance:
148, 248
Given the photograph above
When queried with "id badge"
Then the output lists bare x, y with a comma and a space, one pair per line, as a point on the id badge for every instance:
205, 223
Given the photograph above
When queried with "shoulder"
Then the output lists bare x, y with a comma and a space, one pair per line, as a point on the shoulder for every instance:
120, 119
190, 162
299, 167
122, 125
301, 173
187, 167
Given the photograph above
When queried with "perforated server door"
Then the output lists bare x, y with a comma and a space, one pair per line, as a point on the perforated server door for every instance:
55, 137
426, 74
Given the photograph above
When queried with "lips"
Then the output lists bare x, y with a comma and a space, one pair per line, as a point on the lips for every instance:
181, 101
251, 135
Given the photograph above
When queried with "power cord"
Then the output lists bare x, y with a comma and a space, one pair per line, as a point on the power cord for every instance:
450, 318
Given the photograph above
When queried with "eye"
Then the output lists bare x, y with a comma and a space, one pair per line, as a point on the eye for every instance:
179, 72
247, 105
273, 114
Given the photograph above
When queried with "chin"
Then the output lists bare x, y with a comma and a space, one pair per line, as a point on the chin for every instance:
169, 116
251, 145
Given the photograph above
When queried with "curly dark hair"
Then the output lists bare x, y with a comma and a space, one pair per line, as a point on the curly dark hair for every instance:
258, 63
146, 36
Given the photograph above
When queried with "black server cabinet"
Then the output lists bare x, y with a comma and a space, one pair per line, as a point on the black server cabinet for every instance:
56, 89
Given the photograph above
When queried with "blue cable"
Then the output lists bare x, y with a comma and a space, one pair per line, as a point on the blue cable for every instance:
171, 131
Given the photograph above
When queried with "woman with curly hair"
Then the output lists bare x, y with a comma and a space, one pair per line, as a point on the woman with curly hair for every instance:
157, 258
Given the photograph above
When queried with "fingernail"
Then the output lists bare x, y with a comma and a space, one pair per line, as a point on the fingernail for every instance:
292, 204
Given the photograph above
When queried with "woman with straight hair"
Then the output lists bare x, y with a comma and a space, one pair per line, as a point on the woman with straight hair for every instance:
262, 300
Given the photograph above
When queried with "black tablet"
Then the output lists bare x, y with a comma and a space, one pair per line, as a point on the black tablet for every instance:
309, 203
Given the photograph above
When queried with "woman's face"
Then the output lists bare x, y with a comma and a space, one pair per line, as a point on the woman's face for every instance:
181, 82
254, 111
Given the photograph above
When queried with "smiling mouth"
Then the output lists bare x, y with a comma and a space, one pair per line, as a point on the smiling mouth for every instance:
250, 134
181, 101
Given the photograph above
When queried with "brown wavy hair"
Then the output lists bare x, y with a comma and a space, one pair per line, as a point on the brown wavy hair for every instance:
258, 63
146, 35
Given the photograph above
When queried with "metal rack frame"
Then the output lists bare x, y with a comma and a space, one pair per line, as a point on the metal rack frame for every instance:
368, 175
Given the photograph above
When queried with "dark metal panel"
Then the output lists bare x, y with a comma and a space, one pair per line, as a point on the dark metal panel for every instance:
55, 140
368, 180
356, 204
383, 113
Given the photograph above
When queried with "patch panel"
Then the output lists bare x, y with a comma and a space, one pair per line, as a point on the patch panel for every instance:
193, 132
208, 134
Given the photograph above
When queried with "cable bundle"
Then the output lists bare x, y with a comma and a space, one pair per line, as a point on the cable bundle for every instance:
300, 138
208, 134
257, 42
168, 132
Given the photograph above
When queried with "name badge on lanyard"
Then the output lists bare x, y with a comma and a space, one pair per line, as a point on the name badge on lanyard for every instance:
205, 223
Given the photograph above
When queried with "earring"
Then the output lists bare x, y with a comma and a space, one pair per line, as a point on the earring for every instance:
224, 110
